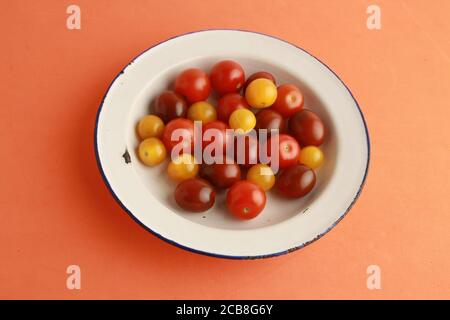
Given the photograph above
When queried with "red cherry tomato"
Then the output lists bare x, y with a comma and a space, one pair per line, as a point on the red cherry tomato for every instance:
193, 84
245, 200
296, 181
246, 153
307, 128
289, 100
170, 105
227, 76
270, 120
221, 175
287, 148
186, 134
195, 195
229, 103
259, 75
223, 140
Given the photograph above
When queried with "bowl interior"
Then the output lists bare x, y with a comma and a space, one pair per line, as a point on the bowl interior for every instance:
159, 186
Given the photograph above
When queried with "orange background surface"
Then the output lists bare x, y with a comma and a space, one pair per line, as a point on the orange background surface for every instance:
55, 210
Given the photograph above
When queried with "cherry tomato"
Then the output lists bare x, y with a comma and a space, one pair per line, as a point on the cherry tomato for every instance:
227, 77
307, 128
261, 93
246, 151
287, 148
221, 175
296, 181
150, 126
220, 138
242, 120
195, 195
185, 135
202, 111
182, 168
259, 75
270, 120
262, 175
170, 105
289, 100
229, 103
245, 200
152, 151
311, 156
193, 84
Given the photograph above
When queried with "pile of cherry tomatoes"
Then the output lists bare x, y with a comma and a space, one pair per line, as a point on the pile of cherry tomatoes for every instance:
243, 104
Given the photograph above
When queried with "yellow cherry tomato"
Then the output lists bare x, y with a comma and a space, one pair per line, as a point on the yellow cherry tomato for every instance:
262, 175
202, 111
242, 120
182, 168
261, 93
150, 126
312, 157
152, 151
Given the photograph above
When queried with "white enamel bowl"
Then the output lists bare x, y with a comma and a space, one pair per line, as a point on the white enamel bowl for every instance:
284, 225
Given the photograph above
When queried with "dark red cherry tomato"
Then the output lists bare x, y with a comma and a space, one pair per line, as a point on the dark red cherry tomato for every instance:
270, 120
259, 75
170, 105
185, 136
287, 148
296, 181
221, 175
307, 128
245, 200
289, 100
193, 84
227, 76
228, 103
195, 195
246, 152
223, 139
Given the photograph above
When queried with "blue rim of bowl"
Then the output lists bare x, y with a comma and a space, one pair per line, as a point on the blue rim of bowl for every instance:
99, 165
